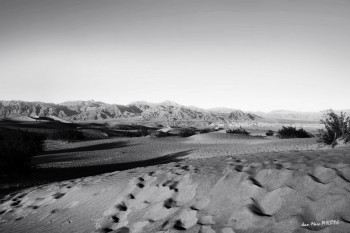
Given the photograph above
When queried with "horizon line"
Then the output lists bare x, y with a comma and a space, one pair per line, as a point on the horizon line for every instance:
174, 102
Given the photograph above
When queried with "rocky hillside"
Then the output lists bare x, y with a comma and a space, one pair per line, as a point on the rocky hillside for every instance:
92, 110
291, 115
294, 115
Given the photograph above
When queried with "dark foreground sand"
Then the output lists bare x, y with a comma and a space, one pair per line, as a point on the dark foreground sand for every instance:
267, 190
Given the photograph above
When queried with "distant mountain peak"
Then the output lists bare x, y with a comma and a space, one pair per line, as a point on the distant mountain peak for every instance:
81, 110
223, 109
170, 103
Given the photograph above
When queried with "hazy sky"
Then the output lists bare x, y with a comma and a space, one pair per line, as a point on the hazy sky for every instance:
246, 54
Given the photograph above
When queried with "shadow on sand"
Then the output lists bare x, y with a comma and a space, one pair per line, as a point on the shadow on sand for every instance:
76, 172
47, 175
102, 146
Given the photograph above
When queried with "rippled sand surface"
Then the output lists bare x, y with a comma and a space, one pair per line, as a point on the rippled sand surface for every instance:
219, 183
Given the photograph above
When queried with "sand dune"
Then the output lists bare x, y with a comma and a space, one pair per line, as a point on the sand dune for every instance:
20, 119
214, 182
271, 192
137, 149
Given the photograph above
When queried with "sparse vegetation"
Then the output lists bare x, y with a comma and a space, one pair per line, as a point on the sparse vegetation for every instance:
239, 130
292, 132
270, 132
187, 133
337, 127
17, 148
206, 130
144, 131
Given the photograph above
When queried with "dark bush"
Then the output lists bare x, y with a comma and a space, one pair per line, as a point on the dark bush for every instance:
239, 130
187, 132
270, 133
207, 130
337, 127
17, 148
144, 131
292, 132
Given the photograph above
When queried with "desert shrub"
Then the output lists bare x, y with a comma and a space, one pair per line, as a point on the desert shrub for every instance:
144, 131
17, 148
292, 132
239, 130
187, 132
270, 132
337, 127
206, 130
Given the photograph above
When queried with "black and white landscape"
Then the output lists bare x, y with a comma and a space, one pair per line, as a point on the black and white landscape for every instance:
210, 116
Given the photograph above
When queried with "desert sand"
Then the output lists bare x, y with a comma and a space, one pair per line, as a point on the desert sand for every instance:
205, 183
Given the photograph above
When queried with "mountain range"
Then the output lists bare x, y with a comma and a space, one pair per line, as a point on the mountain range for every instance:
95, 110
164, 111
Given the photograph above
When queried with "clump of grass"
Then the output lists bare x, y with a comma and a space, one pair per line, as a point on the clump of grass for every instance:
17, 149
270, 132
239, 130
292, 132
337, 127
